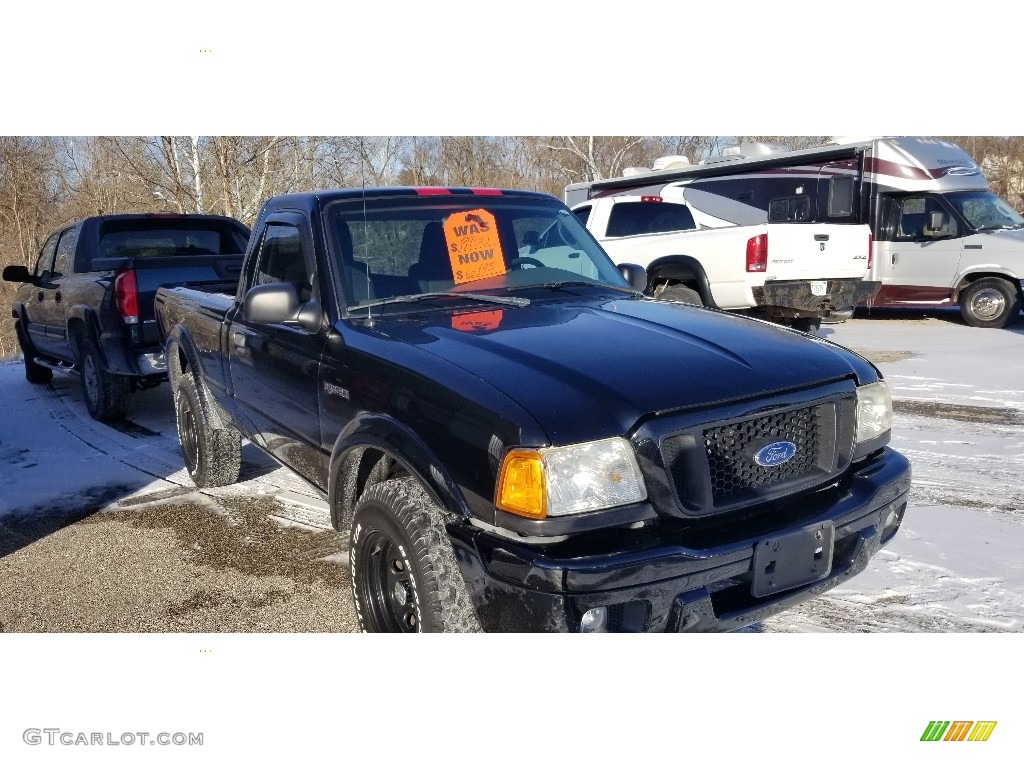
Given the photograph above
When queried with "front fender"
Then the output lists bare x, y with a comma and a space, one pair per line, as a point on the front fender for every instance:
381, 434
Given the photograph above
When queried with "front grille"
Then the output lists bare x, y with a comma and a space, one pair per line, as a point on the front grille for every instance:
711, 463
731, 447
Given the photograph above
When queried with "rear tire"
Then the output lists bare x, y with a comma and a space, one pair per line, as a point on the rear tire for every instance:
105, 393
213, 457
34, 373
990, 302
404, 574
681, 294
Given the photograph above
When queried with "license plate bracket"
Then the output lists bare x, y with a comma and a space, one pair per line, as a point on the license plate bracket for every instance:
819, 287
793, 559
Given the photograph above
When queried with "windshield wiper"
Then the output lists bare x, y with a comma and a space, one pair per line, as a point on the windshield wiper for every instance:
994, 227
413, 298
556, 284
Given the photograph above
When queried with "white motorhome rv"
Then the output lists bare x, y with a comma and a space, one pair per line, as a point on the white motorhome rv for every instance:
941, 237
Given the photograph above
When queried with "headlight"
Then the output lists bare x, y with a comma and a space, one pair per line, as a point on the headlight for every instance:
551, 482
874, 411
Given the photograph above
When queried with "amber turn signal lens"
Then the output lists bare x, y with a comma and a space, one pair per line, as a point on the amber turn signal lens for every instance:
521, 485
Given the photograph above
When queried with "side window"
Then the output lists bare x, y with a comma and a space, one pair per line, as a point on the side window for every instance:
282, 260
923, 218
840, 196
583, 214
796, 208
66, 252
45, 261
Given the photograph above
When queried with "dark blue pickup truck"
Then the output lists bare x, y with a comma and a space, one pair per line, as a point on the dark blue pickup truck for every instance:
87, 306
513, 436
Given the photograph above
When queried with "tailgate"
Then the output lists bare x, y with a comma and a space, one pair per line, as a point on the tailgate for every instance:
799, 251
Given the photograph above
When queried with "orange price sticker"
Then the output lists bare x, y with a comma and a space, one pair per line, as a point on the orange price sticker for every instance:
478, 321
473, 246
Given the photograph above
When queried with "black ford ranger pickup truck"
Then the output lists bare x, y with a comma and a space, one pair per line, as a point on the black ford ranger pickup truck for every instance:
513, 436
87, 306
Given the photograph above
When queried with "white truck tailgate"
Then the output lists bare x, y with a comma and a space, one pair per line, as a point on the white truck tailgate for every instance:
799, 251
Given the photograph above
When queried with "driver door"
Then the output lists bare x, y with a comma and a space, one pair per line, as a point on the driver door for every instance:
920, 262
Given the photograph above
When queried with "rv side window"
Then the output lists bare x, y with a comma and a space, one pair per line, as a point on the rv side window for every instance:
840, 196
648, 218
796, 208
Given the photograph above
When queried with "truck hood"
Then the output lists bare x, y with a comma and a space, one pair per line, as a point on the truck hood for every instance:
590, 369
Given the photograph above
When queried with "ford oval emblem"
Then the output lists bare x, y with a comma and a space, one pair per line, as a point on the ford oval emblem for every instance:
775, 454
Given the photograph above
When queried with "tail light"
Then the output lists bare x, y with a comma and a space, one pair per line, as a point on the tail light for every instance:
757, 253
126, 296
871, 248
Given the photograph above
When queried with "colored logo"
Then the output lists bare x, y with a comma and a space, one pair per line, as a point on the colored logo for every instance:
775, 454
958, 730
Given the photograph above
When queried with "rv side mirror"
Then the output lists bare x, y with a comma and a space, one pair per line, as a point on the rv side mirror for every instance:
271, 304
635, 275
936, 221
16, 273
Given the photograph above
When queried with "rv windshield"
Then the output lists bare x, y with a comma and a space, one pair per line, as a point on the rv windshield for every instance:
985, 211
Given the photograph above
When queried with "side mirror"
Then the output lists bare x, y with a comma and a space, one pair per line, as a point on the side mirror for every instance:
635, 275
17, 273
936, 220
270, 304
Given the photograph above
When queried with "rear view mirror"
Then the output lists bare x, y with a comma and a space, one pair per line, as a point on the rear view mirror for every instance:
16, 273
635, 275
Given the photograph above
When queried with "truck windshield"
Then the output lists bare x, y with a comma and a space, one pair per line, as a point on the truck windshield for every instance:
985, 211
445, 247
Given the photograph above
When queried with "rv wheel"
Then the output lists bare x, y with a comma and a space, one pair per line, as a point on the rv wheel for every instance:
990, 302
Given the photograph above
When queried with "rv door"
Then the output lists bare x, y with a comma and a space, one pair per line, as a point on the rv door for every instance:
917, 261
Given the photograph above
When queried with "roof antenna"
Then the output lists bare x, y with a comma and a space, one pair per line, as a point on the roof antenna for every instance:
366, 245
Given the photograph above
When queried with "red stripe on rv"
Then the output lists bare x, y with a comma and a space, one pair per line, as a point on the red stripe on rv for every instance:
432, 191
485, 191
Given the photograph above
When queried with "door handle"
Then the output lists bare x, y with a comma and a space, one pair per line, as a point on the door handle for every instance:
893, 258
57, 297
40, 295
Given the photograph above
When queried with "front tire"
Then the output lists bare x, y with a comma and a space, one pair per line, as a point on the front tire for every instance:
213, 457
404, 574
990, 302
105, 393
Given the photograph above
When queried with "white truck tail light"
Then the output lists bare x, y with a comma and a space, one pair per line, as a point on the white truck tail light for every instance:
126, 296
757, 253
871, 248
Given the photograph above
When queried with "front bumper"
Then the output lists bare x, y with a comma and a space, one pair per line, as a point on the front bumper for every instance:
665, 585
796, 298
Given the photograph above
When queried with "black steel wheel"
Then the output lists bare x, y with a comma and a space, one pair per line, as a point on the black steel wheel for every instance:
213, 457
990, 302
404, 574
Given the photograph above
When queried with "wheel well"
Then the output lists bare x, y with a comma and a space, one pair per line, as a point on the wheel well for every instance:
966, 280
361, 468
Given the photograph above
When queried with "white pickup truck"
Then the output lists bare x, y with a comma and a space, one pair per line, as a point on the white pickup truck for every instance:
790, 271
